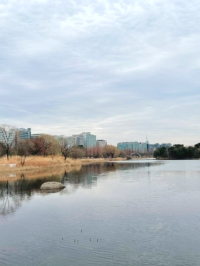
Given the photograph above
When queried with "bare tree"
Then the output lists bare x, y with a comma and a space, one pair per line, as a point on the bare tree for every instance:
51, 145
8, 138
66, 147
45, 145
24, 148
2, 149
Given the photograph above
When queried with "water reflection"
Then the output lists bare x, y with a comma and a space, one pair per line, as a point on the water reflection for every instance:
87, 176
116, 216
25, 185
9, 200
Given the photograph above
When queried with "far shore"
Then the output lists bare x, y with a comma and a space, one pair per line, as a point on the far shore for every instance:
174, 159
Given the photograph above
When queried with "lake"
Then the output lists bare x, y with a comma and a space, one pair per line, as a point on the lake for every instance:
135, 213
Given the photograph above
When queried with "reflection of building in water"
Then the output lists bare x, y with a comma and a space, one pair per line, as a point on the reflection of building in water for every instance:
86, 177
89, 174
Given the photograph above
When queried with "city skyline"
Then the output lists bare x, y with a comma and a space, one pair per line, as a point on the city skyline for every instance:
119, 69
84, 139
28, 132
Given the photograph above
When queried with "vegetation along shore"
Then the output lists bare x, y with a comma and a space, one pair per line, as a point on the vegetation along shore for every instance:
178, 152
47, 163
46, 151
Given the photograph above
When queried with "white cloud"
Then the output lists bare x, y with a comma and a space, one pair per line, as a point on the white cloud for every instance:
116, 68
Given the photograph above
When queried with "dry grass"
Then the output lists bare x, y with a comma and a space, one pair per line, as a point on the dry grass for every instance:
39, 161
42, 173
48, 161
38, 165
34, 163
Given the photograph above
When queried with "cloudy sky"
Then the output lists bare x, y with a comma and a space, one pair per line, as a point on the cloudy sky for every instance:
116, 68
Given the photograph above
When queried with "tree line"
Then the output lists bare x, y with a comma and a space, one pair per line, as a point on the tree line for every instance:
45, 145
178, 151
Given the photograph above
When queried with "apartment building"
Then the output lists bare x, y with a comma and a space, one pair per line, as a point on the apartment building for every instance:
9, 135
24, 133
84, 139
141, 147
101, 143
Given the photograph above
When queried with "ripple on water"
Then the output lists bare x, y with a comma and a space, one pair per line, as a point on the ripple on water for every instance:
143, 213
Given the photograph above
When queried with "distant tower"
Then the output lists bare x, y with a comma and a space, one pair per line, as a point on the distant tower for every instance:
147, 142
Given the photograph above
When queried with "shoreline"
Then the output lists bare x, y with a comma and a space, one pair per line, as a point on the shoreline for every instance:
38, 166
13, 168
172, 159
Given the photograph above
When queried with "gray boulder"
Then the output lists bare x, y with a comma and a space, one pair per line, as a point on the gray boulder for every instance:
51, 186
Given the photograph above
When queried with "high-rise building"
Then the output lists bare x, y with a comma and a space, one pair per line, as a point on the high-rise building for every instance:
9, 135
24, 133
141, 147
131, 147
78, 140
101, 143
89, 140
85, 139
74, 140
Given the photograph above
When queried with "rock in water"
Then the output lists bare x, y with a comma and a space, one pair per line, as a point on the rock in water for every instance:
51, 186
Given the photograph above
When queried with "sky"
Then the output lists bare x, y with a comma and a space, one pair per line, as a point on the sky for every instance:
119, 69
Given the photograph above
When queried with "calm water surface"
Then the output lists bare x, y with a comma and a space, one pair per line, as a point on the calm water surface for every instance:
126, 213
